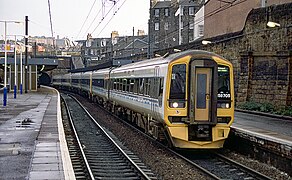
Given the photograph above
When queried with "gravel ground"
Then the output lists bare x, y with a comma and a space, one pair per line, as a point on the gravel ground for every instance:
161, 162
263, 168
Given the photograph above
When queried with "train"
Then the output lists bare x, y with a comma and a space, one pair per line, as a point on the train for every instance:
185, 99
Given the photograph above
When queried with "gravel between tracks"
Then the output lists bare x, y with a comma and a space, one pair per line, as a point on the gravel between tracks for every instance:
161, 162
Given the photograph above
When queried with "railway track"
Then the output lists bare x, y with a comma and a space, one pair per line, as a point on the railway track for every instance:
221, 167
94, 153
214, 165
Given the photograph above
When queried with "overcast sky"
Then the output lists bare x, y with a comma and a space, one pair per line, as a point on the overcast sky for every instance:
68, 17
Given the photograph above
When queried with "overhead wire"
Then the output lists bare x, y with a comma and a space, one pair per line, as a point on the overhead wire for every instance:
105, 16
92, 22
111, 18
102, 9
50, 16
86, 18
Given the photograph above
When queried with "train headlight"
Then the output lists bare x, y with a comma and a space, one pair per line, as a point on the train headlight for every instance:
223, 105
175, 104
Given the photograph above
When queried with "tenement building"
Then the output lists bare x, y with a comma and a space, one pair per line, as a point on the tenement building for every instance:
171, 22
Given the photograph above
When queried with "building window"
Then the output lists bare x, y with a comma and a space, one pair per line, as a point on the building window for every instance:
200, 30
156, 12
156, 40
191, 25
166, 12
156, 26
191, 11
166, 26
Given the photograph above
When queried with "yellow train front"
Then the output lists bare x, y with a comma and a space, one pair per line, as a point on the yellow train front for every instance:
199, 100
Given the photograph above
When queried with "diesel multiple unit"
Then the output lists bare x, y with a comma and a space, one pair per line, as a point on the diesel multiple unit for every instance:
186, 99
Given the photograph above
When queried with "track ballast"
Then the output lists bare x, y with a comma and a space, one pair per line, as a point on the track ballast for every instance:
103, 157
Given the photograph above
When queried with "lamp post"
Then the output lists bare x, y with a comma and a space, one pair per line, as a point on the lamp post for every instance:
15, 67
5, 61
5, 67
21, 78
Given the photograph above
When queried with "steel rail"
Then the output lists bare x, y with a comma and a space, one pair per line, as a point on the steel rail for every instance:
116, 145
208, 173
79, 143
244, 168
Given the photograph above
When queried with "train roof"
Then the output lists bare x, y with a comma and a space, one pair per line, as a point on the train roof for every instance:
167, 59
152, 62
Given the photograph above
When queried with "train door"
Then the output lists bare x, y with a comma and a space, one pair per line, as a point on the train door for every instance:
203, 97
202, 94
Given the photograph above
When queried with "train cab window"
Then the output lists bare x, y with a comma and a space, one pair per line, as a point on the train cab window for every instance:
224, 95
177, 93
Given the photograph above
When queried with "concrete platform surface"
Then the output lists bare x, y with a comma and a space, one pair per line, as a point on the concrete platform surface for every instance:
32, 143
271, 133
269, 127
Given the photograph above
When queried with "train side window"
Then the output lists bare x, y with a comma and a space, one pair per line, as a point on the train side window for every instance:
146, 86
161, 86
117, 84
114, 84
127, 81
111, 84
120, 84
124, 83
131, 84
105, 84
160, 93
136, 85
154, 87
141, 82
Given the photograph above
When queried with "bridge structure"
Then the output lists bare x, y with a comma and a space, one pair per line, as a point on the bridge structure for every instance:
36, 67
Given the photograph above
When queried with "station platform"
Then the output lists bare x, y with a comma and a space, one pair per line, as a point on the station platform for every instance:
32, 141
269, 127
265, 137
